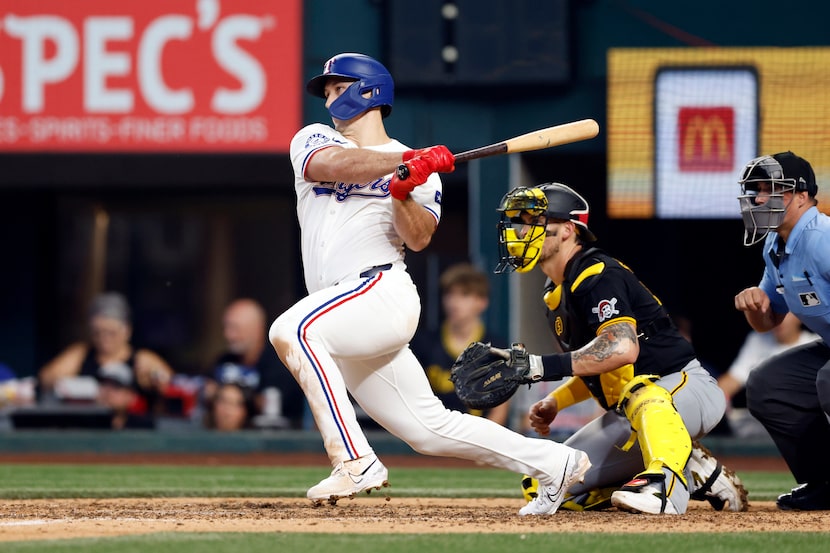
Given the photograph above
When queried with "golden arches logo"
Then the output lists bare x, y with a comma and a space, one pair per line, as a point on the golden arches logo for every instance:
706, 138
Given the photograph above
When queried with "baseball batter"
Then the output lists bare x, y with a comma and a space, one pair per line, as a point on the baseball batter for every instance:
351, 333
619, 347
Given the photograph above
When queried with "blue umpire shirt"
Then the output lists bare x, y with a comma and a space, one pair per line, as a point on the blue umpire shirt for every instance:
798, 279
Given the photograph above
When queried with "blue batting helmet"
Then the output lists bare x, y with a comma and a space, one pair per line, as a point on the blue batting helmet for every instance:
369, 76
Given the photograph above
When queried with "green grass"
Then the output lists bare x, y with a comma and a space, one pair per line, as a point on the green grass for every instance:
417, 543
106, 481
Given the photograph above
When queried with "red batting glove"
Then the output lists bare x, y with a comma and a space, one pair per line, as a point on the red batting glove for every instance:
419, 171
409, 154
441, 159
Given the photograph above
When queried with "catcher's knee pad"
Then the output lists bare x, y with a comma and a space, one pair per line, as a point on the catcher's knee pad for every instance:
663, 438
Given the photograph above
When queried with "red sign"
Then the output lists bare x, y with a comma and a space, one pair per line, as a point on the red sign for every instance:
706, 139
150, 75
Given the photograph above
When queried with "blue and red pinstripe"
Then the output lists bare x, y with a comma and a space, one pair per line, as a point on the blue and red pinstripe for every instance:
307, 321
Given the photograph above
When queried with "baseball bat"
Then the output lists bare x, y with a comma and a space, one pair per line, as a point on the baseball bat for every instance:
557, 135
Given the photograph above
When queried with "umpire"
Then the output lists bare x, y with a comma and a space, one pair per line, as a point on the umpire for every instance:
790, 393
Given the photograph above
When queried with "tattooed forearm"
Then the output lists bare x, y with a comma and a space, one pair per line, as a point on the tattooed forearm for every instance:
615, 339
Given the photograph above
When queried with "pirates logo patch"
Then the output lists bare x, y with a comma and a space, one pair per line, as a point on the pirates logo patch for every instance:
606, 309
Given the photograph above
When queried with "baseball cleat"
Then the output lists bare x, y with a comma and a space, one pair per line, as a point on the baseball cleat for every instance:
806, 497
596, 499
644, 494
350, 478
549, 498
710, 481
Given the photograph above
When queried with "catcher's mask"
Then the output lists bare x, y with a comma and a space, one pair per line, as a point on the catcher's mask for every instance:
525, 213
764, 181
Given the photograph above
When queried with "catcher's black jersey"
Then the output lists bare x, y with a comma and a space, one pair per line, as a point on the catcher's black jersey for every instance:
599, 290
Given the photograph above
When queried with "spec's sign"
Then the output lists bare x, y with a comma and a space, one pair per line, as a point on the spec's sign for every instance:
150, 75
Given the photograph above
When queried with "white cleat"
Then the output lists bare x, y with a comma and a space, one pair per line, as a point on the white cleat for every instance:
715, 483
349, 478
643, 495
549, 498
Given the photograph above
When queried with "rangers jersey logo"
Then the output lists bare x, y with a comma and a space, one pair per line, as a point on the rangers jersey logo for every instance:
376, 189
606, 309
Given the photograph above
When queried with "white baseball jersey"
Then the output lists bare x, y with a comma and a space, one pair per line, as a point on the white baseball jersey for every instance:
351, 333
340, 245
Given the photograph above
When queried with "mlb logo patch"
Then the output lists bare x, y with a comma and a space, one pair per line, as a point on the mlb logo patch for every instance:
809, 299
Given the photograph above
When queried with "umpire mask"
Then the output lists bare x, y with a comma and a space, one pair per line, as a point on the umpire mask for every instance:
764, 182
521, 229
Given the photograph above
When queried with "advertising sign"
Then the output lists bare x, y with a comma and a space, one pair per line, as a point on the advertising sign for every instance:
683, 123
706, 130
150, 75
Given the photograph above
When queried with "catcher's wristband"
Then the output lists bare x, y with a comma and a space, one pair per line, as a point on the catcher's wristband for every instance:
557, 366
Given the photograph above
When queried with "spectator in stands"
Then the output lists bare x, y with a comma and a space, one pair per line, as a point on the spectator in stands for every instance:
757, 347
116, 390
465, 296
110, 330
278, 399
231, 408
15, 391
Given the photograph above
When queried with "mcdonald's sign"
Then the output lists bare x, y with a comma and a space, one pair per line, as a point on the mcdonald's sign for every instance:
706, 139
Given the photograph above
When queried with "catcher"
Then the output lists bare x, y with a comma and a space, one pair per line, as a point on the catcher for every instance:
617, 344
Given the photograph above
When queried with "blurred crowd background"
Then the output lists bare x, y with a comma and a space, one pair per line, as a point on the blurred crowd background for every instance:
147, 195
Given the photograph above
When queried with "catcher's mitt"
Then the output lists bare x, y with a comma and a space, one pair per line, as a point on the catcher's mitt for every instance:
485, 376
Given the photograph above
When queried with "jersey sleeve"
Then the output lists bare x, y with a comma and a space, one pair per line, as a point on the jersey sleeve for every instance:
603, 298
429, 195
822, 244
309, 140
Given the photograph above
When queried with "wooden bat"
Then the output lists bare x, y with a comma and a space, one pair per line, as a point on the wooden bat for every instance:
536, 140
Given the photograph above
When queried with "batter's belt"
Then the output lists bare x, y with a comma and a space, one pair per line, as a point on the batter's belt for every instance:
372, 271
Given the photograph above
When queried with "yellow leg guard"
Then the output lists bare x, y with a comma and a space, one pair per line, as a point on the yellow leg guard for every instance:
663, 438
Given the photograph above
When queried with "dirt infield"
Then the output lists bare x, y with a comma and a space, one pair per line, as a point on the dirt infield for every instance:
74, 518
